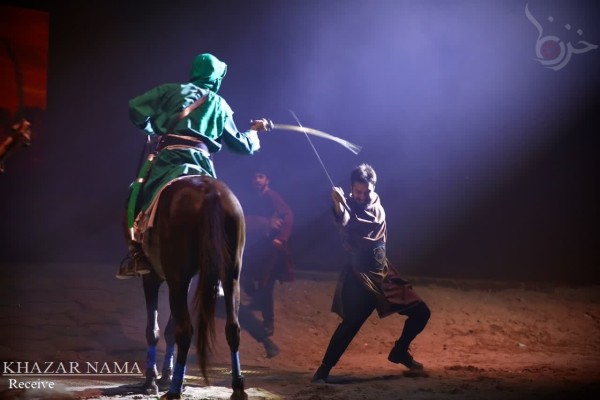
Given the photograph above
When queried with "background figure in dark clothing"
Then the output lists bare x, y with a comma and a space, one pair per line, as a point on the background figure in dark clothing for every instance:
267, 257
252, 325
248, 321
370, 282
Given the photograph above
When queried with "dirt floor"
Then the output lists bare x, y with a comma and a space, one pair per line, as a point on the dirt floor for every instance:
485, 340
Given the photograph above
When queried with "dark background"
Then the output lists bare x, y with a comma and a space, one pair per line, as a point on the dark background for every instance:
487, 161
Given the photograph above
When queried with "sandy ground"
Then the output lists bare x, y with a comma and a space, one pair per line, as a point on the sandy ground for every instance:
485, 340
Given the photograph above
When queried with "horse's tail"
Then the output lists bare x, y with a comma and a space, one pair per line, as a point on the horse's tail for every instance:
213, 257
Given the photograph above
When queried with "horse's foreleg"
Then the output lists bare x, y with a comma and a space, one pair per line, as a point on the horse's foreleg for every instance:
167, 367
151, 285
183, 338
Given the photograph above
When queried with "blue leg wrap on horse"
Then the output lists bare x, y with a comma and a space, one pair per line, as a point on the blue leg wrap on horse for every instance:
235, 364
151, 357
177, 382
169, 353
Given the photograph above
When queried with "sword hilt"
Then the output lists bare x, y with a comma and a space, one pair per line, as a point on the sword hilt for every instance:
267, 123
269, 126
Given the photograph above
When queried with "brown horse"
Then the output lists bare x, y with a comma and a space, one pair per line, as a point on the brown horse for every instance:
198, 229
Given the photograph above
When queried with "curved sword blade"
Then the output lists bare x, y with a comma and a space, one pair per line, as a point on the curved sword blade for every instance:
350, 146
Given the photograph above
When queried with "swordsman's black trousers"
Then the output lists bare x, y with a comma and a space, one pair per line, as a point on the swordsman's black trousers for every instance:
360, 303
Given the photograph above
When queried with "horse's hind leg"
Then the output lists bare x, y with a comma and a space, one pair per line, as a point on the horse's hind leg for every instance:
183, 335
166, 375
232, 334
230, 280
151, 285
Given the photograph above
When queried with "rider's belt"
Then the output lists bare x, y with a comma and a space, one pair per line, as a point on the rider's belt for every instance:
170, 140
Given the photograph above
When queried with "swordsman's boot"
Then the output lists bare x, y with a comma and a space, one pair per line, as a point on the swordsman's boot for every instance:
271, 348
321, 374
400, 355
136, 264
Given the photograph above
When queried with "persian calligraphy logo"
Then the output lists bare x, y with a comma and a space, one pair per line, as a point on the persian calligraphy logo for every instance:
551, 51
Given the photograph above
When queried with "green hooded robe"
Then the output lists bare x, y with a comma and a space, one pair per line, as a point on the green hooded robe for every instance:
156, 112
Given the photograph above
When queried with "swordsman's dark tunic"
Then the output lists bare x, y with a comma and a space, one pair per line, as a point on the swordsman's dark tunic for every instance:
364, 237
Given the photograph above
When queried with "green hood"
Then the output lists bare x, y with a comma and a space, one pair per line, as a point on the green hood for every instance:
208, 72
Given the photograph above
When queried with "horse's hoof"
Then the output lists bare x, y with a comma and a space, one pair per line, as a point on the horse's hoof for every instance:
164, 384
239, 395
151, 390
170, 396
165, 379
237, 384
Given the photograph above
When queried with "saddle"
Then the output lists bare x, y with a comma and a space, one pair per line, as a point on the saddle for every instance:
144, 220
142, 225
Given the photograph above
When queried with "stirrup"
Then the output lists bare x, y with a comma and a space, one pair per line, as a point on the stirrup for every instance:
132, 267
141, 265
123, 272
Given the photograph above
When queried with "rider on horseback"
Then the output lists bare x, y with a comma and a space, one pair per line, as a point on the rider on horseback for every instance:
192, 121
